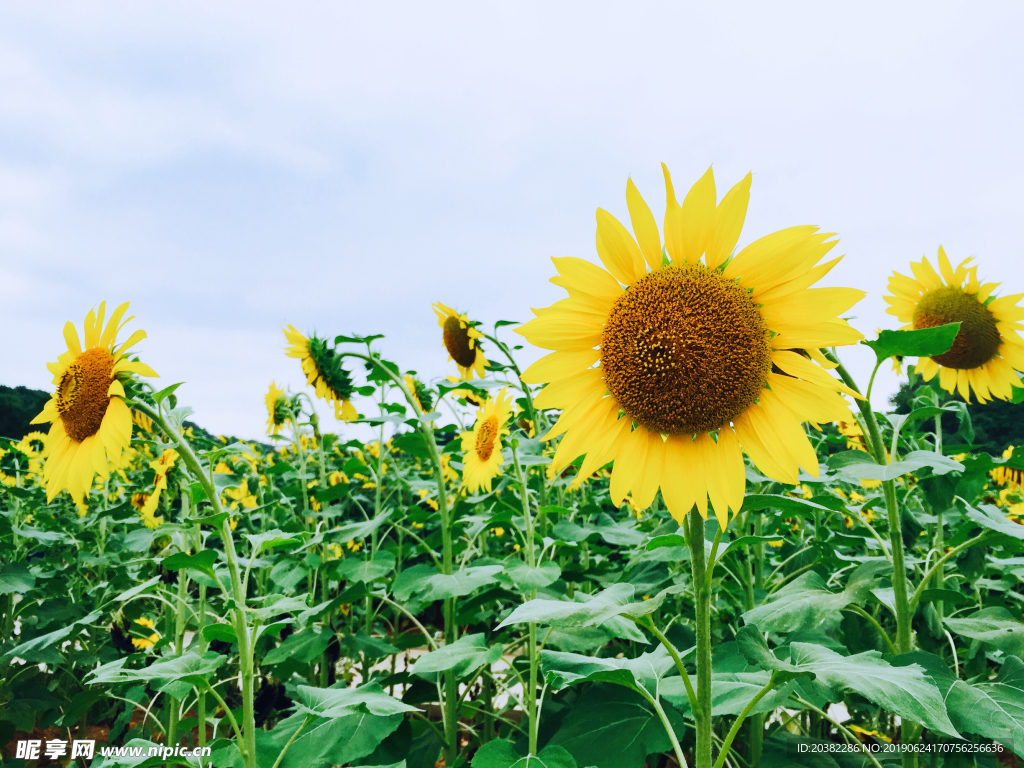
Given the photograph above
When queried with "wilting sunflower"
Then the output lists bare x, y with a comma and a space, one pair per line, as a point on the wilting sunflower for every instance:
692, 362
90, 423
323, 369
460, 339
278, 408
987, 350
482, 444
419, 392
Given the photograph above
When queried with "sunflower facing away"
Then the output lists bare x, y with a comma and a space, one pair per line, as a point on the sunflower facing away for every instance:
278, 409
671, 366
323, 369
89, 421
482, 444
987, 350
460, 339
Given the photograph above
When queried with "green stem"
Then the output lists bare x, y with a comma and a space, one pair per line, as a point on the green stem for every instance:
702, 603
669, 730
531, 561
247, 744
648, 622
727, 744
294, 736
937, 566
845, 731
757, 721
854, 608
899, 568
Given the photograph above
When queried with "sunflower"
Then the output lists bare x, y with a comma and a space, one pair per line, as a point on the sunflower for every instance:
987, 350
89, 421
419, 392
467, 395
460, 339
1012, 478
323, 369
693, 362
278, 409
482, 444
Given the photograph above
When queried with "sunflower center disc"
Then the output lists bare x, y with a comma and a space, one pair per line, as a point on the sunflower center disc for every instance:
685, 350
978, 339
485, 438
457, 342
82, 397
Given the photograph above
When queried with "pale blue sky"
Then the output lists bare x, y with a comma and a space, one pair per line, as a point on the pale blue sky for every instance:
232, 167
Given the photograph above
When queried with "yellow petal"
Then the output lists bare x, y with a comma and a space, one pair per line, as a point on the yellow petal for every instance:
585, 277
647, 484
729, 218
618, 250
560, 365
673, 220
629, 463
698, 216
644, 226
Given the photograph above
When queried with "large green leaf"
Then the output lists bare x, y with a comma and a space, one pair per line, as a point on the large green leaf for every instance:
16, 577
501, 754
993, 709
806, 603
332, 703
585, 611
367, 571
31, 649
527, 578
924, 342
906, 691
995, 626
272, 538
854, 466
612, 727
200, 561
645, 671
992, 518
465, 655
303, 647
463, 582
333, 741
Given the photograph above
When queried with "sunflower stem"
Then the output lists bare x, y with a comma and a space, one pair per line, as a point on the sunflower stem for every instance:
451, 688
247, 735
531, 561
702, 604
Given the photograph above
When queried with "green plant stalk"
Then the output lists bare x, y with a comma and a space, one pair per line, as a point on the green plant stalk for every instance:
653, 701
757, 721
854, 608
691, 695
247, 737
531, 561
727, 744
179, 639
702, 603
899, 568
451, 687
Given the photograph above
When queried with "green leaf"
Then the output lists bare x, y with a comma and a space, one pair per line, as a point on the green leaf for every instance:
200, 561
666, 540
359, 530
644, 672
992, 518
190, 668
332, 741
272, 538
612, 727
731, 692
947, 596
566, 530
993, 709
463, 582
905, 691
805, 603
16, 577
332, 703
926, 342
755, 650
587, 611
501, 754
527, 578
465, 655
354, 569
995, 626
30, 648
756, 502
866, 469
138, 589
303, 647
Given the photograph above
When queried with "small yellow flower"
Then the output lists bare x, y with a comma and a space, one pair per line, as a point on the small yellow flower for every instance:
337, 477
462, 341
482, 445
776, 544
353, 545
499, 531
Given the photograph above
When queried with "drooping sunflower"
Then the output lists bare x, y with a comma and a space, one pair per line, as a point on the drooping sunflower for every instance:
461, 340
89, 421
419, 392
671, 366
482, 444
324, 371
278, 408
987, 350
1008, 476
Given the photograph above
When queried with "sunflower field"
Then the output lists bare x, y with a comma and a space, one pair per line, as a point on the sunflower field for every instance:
682, 537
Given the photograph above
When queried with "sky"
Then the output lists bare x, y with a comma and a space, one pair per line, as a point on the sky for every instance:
230, 168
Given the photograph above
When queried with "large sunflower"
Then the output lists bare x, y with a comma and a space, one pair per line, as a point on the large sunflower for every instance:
987, 348
461, 340
482, 444
323, 369
89, 421
692, 362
